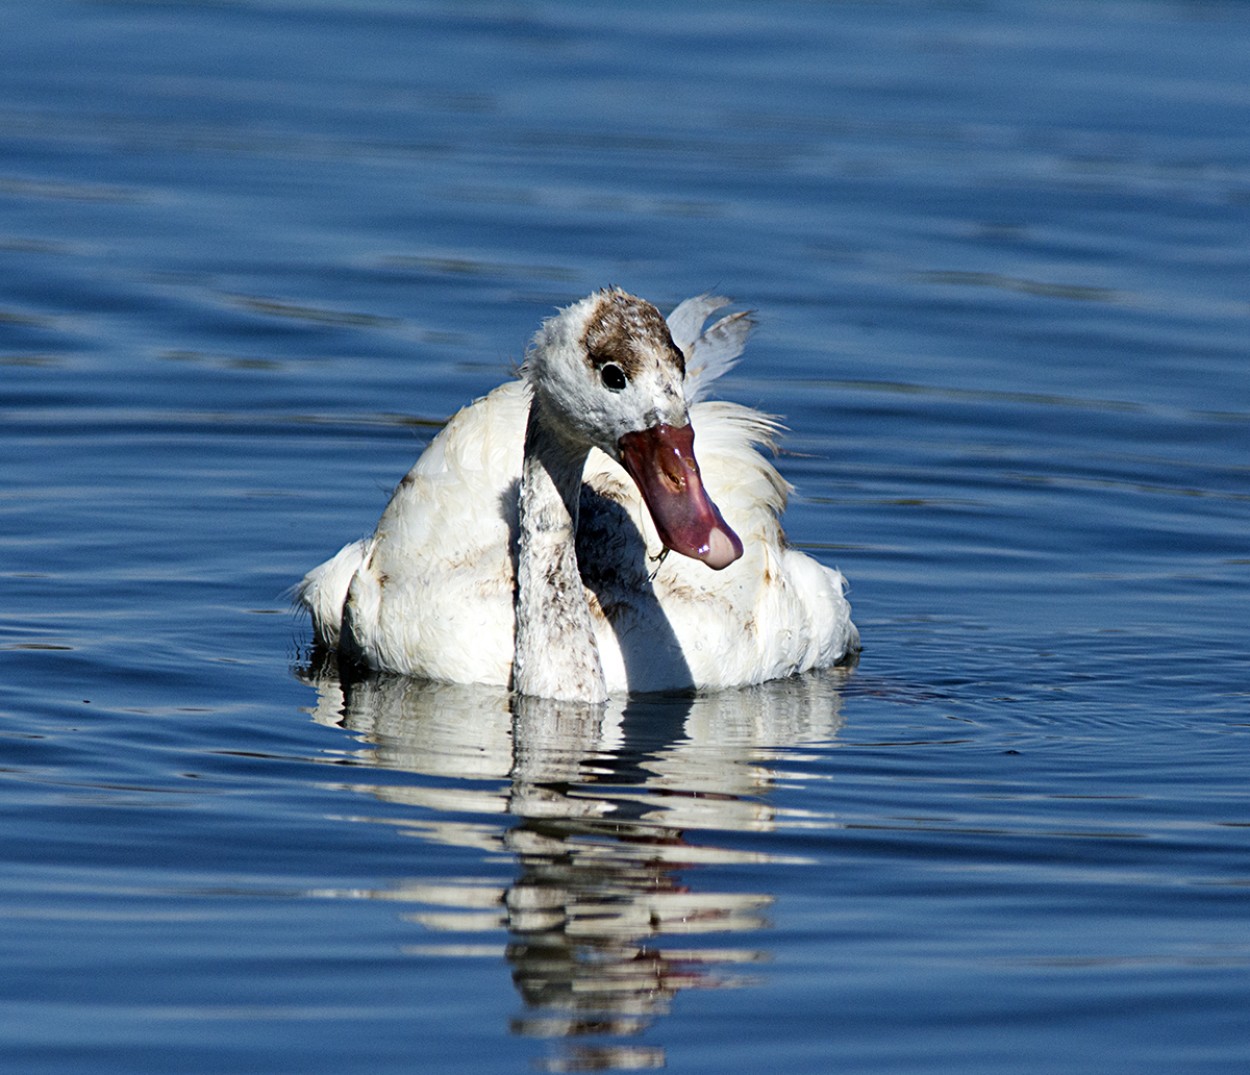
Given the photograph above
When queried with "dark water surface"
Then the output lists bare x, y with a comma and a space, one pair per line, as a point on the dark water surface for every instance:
253, 252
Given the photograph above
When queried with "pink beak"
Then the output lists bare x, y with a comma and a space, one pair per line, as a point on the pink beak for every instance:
661, 461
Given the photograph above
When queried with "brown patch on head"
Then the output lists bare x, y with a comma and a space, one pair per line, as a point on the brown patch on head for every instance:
623, 330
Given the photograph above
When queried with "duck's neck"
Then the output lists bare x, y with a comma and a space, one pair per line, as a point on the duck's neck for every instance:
556, 653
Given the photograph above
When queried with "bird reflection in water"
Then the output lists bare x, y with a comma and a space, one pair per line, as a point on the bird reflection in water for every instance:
607, 814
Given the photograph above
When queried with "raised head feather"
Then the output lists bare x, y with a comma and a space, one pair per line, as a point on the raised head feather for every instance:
709, 352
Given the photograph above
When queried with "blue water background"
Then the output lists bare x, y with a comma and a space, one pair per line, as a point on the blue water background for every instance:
252, 253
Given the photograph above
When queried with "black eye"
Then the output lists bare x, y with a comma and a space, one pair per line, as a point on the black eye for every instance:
613, 377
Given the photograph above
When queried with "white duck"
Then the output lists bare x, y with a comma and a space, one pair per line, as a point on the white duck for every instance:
528, 545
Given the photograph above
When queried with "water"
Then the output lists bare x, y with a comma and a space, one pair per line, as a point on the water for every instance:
254, 252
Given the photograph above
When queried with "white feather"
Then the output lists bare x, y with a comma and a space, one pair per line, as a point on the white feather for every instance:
709, 352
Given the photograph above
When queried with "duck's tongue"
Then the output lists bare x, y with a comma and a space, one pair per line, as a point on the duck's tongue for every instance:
661, 461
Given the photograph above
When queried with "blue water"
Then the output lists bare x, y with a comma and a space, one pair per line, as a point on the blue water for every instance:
252, 253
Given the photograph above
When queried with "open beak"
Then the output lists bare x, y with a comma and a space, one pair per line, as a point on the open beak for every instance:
661, 461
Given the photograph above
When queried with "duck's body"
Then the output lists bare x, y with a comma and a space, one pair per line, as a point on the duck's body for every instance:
476, 541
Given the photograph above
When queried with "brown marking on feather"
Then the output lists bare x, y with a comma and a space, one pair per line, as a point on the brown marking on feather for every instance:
623, 330
612, 487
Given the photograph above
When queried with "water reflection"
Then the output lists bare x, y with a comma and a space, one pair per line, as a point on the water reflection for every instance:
607, 817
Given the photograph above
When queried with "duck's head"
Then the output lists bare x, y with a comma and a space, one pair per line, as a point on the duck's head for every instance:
606, 373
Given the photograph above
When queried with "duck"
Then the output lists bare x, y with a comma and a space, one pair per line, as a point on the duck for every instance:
530, 546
